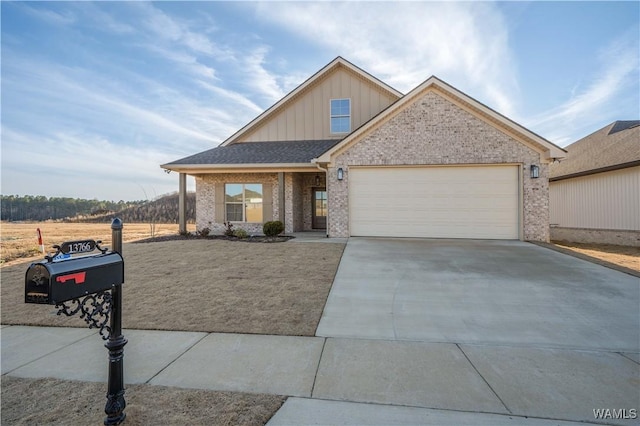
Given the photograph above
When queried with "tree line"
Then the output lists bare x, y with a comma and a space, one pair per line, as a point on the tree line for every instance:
160, 210
40, 208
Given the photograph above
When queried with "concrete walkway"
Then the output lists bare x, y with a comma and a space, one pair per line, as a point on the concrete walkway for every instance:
413, 332
314, 237
349, 381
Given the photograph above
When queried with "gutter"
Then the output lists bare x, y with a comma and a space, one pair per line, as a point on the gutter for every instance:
595, 171
237, 168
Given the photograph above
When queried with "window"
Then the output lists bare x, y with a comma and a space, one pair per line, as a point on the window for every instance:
243, 202
340, 115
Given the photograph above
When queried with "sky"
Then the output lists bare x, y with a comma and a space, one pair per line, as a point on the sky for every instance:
95, 96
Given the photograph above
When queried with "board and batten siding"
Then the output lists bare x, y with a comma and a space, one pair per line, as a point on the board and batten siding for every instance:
306, 117
609, 200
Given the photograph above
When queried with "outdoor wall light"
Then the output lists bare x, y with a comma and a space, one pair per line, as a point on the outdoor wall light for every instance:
317, 179
535, 171
340, 173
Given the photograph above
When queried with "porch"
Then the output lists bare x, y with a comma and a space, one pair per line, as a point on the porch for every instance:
248, 200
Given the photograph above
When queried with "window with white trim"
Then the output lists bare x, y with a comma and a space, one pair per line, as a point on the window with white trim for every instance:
340, 115
243, 202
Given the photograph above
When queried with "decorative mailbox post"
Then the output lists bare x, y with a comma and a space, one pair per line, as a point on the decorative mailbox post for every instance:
92, 284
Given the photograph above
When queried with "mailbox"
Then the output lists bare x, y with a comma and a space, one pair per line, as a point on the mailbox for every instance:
55, 282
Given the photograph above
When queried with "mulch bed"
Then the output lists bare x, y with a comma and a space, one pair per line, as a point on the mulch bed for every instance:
191, 236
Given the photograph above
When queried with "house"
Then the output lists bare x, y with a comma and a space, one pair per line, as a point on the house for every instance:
346, 153
595, 191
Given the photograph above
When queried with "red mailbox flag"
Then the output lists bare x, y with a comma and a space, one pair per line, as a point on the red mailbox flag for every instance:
40, 240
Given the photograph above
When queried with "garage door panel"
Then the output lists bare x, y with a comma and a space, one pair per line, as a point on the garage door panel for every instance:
439, 202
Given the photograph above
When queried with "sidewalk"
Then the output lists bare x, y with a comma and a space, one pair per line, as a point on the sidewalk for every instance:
349, 381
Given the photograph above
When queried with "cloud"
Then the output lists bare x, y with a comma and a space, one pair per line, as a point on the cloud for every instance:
186, 61
169, 29
465, 44
233, 96
76, 132
49, 16
89, 97
93, 15
83, 164
259, 79
598, 103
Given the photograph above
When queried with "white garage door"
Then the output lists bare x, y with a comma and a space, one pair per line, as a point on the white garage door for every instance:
437, 202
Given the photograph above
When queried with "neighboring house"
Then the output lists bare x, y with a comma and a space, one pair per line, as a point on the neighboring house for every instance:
346, 153
595, 191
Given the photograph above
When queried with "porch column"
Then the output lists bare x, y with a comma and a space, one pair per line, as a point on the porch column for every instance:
182, 203
281, 196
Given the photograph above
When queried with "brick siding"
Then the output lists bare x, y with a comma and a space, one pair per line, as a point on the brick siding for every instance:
206, 199
434, 131
597, 236
297, 199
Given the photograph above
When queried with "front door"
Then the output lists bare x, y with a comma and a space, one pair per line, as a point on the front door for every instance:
319, 208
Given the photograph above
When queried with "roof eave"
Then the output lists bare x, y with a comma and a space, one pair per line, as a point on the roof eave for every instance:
615, 167
237, 168
555, 153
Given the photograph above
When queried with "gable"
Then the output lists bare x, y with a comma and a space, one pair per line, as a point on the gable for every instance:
433, 130
475, 109
306, 115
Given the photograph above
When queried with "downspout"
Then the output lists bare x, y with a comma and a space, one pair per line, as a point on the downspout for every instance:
326, 184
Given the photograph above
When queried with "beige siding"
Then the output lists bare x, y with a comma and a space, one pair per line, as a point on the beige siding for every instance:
608, 200
307, 116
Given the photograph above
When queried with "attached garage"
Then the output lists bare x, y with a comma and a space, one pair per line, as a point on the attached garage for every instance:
435, 202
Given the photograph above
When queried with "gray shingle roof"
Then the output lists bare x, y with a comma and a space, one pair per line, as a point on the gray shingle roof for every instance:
261, 153
615, 144
620, 125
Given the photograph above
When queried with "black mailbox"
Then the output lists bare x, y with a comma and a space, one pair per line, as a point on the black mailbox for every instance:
54, 282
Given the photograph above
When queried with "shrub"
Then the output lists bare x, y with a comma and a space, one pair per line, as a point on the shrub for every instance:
204, 232
273, 228
229, 231
240, 233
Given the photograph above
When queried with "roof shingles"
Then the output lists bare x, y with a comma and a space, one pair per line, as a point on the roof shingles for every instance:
282, 152
615, 144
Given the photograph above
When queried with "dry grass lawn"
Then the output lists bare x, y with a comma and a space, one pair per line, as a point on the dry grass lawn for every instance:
623, 256
18, 240
190, 285
206, 285
60, 402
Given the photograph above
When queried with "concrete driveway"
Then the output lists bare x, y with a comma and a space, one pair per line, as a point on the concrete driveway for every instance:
479, 326
480, 292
